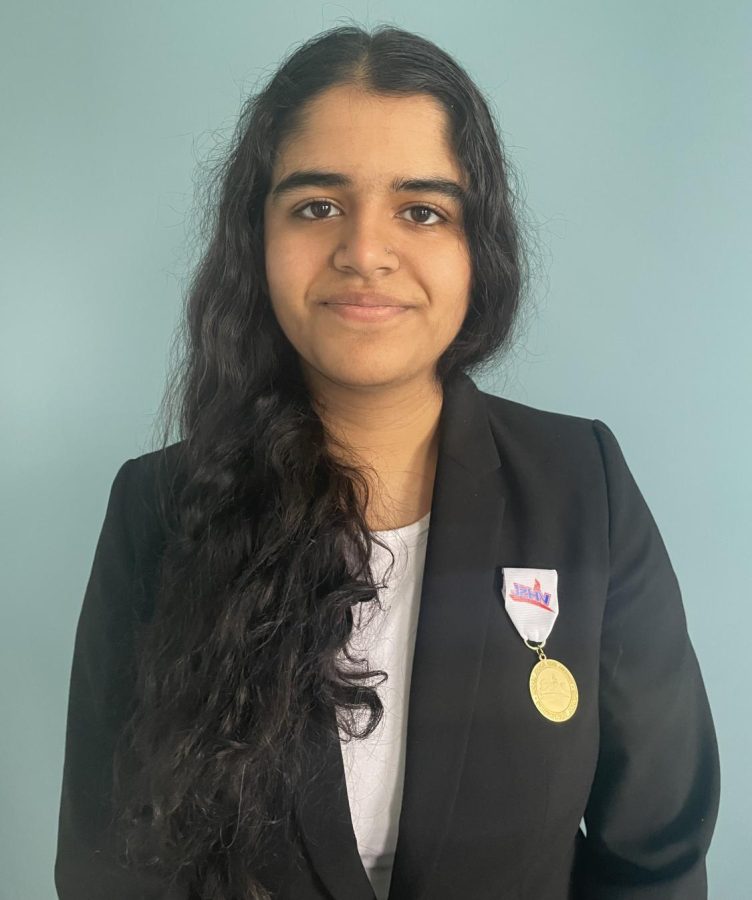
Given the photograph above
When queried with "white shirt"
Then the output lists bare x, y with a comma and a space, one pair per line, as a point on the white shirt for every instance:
375, 766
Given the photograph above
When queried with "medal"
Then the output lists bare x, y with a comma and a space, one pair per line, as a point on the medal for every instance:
531, 600
552, 687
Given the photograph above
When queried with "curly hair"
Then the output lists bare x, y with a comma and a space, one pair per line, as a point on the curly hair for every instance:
247, 640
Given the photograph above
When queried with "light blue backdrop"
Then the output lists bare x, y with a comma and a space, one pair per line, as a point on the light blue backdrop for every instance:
631, 125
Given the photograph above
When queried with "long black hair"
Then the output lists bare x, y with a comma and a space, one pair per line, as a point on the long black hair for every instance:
246, 637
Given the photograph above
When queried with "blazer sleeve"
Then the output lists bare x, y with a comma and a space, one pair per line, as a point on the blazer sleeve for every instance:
101, 682
654, 799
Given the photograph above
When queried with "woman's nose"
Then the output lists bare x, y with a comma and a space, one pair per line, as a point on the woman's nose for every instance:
363, 245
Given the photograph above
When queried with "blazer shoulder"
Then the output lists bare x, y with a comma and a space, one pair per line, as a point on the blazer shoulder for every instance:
538, 427
157, 470
163, 463
533, 416
561, 444
144, 493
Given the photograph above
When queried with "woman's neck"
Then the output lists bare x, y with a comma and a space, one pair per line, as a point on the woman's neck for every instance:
394, 432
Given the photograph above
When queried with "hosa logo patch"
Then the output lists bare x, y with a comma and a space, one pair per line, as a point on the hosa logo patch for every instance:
522, 593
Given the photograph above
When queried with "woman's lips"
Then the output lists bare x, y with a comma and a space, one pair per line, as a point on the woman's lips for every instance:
365, 313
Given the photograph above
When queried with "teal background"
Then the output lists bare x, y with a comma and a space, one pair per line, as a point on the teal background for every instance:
630, 125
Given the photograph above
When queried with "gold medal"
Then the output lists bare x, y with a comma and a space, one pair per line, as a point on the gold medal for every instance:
553, 688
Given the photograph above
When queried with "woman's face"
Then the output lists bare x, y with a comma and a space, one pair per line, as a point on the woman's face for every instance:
346, 227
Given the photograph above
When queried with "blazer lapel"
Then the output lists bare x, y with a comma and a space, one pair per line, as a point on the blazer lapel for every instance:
457, 596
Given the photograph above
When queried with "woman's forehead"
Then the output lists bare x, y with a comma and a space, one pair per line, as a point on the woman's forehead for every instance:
370, 140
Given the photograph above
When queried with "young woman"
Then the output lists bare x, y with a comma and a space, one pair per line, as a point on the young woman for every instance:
364, 629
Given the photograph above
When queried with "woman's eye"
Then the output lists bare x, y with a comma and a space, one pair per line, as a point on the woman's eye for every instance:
430, 211
315, 203
327, 206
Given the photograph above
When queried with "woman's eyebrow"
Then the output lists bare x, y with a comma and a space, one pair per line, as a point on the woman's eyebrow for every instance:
317, 178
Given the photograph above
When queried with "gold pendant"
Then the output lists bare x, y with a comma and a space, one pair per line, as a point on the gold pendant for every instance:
553, 689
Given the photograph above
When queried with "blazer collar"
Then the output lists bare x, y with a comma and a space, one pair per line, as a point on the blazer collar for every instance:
457, 595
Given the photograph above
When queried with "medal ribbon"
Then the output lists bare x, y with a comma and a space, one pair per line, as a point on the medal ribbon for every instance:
531, 600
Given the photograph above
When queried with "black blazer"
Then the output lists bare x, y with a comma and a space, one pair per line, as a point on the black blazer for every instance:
494, 793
